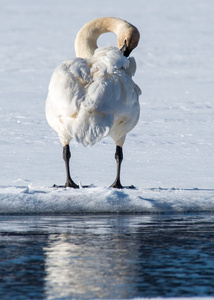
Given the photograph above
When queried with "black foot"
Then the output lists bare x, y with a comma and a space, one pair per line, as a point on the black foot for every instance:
75, 186
70, 184
58, 186
131, 187
117, 185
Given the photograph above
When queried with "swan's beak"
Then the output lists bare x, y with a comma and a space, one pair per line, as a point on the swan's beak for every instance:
125, 50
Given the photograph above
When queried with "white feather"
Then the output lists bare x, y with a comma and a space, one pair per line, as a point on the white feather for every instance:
89, 99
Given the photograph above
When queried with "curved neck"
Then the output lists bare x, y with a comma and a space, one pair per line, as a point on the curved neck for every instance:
86, 39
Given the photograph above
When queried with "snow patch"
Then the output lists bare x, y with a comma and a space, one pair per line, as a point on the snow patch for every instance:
33, 200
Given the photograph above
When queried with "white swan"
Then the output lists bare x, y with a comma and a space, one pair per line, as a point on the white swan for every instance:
93, 95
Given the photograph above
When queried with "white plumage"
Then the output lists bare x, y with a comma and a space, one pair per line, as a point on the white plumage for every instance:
91, 98
97, 98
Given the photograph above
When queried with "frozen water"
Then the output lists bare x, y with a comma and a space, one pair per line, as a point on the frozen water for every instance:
30, 200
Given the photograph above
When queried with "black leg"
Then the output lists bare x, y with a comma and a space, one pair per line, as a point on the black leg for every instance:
119, 157
66, 157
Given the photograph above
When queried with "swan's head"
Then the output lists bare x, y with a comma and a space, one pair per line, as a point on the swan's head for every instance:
86, 41
128, 40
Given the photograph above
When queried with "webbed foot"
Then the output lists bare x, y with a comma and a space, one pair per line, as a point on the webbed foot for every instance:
69, 184
117, 185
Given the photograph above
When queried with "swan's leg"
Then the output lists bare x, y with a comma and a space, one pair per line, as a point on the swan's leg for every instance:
119, 157
66, 157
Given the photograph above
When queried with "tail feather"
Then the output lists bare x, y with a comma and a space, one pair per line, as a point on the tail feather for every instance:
88, 128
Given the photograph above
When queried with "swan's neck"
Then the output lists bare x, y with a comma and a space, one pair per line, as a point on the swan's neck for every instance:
86, 39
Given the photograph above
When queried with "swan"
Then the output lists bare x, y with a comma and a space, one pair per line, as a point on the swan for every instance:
93, 95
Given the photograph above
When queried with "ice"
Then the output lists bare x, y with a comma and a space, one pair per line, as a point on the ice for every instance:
31, 200
172, 145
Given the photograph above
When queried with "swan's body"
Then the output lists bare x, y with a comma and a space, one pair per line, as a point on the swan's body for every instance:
93, 95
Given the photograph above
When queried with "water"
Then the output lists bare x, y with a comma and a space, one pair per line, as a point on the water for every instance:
106, 256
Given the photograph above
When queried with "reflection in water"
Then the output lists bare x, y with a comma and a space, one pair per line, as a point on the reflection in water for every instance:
90, 266
85, 257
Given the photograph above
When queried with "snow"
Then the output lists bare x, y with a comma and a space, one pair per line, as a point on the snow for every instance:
172, 145
30, 200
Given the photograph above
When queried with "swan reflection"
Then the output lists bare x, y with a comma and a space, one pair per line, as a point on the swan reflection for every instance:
89, 264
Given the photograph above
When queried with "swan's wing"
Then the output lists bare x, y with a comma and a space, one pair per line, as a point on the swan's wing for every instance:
96, 114
66, 92
113, 92
67, 86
